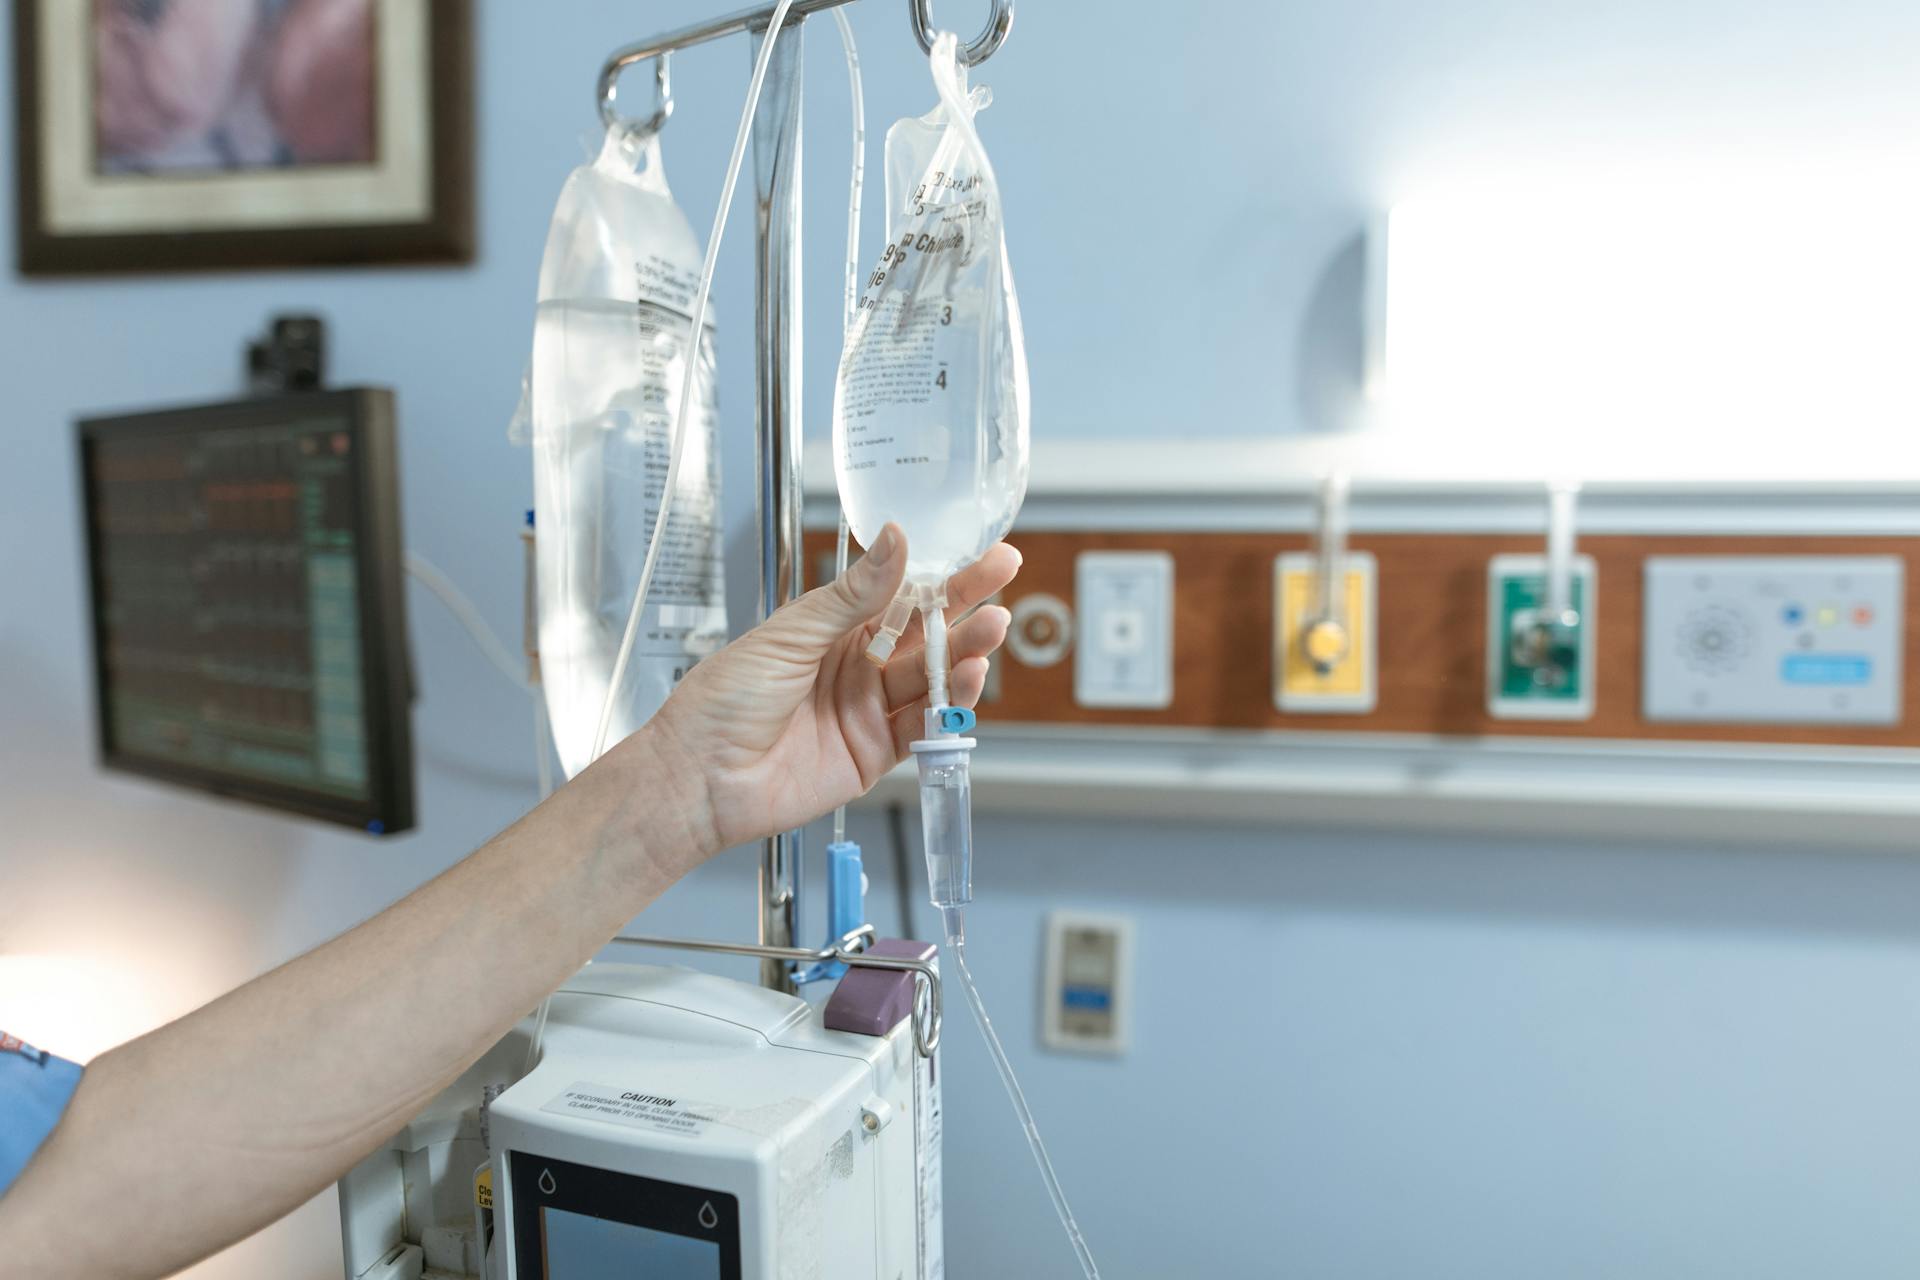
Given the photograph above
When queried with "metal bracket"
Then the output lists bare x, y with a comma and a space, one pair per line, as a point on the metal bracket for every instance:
849, 950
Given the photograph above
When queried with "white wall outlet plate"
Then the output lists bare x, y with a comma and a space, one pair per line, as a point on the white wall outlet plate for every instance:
1123, 656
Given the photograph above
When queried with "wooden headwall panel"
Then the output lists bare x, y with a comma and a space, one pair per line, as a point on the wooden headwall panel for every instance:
1433, 610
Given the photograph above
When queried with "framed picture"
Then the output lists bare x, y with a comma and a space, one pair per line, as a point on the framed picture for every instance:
193, 135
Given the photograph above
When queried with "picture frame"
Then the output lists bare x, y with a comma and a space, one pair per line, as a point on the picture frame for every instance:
210, 135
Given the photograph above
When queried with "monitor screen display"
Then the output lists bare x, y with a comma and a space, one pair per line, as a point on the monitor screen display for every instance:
247, 626
579, 1247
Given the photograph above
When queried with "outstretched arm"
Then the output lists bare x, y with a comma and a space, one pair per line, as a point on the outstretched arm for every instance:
265, 1096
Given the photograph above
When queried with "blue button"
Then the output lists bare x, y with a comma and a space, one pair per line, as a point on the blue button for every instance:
1826, 668
1793, 615
1095, 998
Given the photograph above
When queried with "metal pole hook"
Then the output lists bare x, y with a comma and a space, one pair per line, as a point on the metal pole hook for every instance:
982, 47
609, 89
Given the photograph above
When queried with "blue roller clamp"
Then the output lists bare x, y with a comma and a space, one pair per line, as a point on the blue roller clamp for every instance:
846, 905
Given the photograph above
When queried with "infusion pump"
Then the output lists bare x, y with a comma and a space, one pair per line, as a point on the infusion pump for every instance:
676, 1124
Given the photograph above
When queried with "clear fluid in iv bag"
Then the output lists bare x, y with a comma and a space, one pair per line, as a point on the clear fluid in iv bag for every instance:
930, 407
605, 381
610, 345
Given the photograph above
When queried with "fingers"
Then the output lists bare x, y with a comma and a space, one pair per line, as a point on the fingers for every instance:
982, 579
979, 581
905, 677
812, 624
968, 682
965, 685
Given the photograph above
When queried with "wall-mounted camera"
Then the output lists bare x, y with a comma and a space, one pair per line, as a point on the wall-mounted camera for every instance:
292, 356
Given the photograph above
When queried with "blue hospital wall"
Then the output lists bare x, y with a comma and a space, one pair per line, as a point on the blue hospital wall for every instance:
1357, 1055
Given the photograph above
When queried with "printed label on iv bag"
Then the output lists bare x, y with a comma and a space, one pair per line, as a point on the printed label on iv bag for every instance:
613, 370
636, 1109
913, 366
685, 616
686, 605
930, 405
612, 338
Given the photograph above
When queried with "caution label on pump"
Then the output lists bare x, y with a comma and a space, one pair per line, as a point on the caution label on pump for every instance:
928, 1192
635, 1108
483, 1188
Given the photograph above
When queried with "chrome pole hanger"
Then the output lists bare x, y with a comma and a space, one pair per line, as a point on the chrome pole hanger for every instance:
981, 47
638, 130
776, 151
661, 47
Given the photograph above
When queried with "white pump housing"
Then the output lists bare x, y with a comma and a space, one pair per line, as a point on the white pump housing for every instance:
677, 1123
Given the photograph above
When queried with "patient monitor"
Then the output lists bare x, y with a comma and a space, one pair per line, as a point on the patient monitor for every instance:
675, 1124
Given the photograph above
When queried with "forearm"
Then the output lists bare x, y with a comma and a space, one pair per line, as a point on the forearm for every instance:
216, 1124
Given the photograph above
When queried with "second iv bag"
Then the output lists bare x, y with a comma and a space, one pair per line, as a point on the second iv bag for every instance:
930, 408
610, 340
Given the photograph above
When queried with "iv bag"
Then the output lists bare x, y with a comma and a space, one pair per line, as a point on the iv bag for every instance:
930, 408
610, 339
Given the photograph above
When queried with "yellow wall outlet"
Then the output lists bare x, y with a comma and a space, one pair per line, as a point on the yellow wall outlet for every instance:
1345, 684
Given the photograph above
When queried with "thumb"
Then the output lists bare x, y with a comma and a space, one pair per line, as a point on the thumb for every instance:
819, 618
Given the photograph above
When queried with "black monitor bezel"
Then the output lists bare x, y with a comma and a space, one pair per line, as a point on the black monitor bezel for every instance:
613, 1197
368, 413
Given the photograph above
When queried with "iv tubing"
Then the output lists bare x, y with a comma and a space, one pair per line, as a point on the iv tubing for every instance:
859, 165
853, 278
933, 616
957, 946
953, 912
696, 335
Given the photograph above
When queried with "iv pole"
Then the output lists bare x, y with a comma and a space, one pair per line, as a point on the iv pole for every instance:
777, 432
777, 349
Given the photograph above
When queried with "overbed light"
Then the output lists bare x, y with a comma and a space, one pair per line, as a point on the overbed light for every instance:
1685, 330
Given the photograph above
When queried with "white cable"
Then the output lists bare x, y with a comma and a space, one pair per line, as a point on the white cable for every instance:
429, 576
696, 332
423, 571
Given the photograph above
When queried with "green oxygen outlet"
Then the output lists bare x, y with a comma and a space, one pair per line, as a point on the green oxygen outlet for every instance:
1539, 667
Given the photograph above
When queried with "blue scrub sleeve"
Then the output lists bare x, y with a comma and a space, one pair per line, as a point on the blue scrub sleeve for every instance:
35, 1088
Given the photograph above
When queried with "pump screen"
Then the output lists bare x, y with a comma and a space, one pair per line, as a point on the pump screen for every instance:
578, 1222
579, 1247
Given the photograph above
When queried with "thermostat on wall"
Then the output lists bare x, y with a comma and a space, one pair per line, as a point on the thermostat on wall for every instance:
1086, 1004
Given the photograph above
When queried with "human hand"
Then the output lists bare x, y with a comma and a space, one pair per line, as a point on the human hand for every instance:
792, 719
